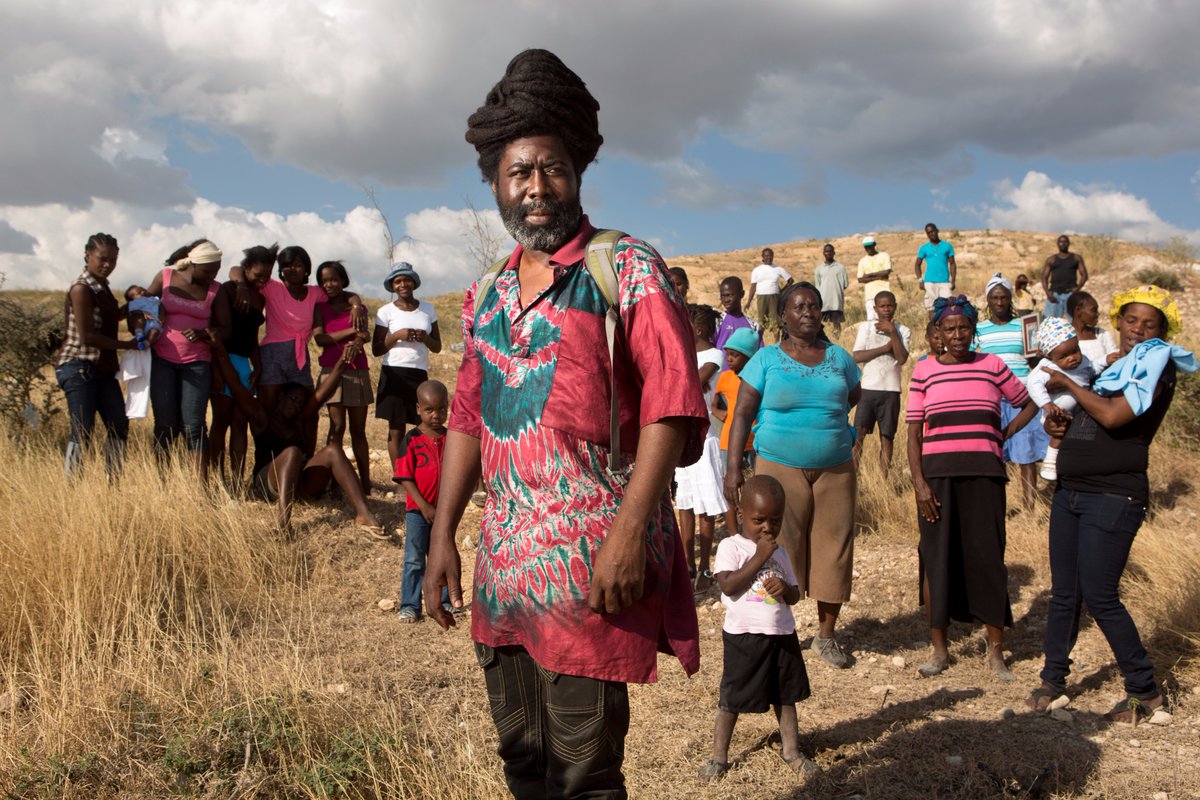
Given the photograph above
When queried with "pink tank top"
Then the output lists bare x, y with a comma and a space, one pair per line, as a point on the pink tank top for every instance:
181, 313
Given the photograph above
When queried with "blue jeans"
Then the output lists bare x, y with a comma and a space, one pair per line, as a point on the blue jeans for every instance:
88, 392
1057, 307
416, 549
179, 397
1090, 537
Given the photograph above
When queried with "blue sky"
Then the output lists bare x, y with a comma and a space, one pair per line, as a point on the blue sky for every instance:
726, 126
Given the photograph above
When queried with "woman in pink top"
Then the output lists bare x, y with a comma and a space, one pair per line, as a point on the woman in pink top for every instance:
181, 368
334, 329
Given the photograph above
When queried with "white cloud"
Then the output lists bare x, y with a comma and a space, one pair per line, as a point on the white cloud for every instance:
1040, 204
378, 90
693, 184
433, 240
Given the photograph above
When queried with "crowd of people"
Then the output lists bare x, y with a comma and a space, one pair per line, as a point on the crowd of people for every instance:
591, 392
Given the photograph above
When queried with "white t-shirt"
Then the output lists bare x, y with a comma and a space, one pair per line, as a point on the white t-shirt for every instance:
1097, 350
880, 374
755, 611
766, 278
414, 355
711, 356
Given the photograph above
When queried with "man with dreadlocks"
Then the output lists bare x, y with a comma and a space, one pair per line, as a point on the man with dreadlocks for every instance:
579, 576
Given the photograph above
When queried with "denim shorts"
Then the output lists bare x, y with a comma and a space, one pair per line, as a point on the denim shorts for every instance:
279, 365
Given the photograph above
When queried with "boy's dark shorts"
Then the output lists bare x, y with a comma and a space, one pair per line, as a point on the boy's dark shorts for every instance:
878, 407
761, 671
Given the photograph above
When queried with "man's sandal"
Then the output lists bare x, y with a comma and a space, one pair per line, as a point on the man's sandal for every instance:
801, 764
1041, 698
1134, 711
712, 770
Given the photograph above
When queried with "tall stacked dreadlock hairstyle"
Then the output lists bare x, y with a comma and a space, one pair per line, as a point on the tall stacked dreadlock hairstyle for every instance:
539, 95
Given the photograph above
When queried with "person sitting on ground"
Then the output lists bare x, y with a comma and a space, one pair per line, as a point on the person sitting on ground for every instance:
739, 349
1095, 342
144, 316
733, 318
698, 496
764, 668
1102, 493
419, 471
1060, 348
954, 436
764, 282
881, 346
283, 471
831, 280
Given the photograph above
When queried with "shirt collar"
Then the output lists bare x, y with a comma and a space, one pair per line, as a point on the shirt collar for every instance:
566, 256
97, 284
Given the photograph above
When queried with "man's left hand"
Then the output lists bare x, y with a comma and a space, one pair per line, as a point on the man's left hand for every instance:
619, 574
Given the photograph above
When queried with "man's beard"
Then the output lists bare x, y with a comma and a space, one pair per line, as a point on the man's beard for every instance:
543, 238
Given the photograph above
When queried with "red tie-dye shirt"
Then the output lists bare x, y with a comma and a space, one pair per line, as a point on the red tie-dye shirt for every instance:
534, 388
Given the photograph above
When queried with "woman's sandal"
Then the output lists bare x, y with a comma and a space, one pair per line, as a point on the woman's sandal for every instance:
712, 770
1040, 698
801, 764
1134, 711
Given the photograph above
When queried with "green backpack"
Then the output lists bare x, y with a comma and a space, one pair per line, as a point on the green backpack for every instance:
602, 266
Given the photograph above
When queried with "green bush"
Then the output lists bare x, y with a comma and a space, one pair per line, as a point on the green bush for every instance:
1163, 278
29, 336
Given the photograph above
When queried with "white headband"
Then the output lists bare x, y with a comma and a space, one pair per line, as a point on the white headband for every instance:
204, 253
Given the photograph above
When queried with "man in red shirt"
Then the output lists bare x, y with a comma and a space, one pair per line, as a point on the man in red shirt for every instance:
580, 576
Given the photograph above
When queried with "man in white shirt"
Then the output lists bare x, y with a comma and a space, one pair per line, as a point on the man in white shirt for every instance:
874, 272
881, 347
764, 281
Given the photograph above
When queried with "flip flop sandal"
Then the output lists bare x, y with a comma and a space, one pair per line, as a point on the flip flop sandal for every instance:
712, 770
378, 532
1041, 698
1134, 711
801, 764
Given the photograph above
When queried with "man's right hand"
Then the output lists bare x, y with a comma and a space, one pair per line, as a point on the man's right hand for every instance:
1050, 296
444, 568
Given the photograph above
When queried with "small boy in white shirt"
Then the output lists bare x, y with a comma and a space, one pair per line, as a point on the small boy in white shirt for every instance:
1060, 346
764, 667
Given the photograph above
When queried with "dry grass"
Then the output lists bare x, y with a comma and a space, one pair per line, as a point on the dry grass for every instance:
163, 641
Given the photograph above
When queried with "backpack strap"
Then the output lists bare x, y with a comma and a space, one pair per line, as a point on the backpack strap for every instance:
485, 282
602, 266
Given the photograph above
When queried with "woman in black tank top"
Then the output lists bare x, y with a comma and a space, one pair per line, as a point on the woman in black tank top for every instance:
283, 471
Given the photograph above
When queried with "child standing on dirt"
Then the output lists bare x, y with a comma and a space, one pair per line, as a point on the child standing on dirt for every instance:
419, 471
763, 665
739, 348
881, 347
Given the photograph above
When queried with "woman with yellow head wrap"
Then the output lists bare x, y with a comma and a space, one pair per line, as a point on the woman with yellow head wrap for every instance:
1102, 494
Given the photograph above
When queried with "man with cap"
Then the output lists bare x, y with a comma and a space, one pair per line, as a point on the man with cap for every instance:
874, 272
580, 577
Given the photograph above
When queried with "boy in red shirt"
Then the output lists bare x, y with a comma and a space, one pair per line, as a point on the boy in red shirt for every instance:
419, 471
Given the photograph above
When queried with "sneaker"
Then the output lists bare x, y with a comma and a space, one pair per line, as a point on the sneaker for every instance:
829, 651
1049, 472
407, 616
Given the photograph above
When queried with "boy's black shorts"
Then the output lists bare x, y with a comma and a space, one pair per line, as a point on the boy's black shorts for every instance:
878, 407
761, 671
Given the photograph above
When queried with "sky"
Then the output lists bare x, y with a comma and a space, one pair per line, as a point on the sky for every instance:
726, 125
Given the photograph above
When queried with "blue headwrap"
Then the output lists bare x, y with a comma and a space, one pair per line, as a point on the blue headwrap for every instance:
948, 307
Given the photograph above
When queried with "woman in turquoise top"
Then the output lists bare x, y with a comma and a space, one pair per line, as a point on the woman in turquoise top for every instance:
1001, 335
797, 395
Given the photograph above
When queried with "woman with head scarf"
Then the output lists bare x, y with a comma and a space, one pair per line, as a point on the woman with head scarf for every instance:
406, 332
1102, 493
797, 394
181, 371
1001, 334
954, 435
